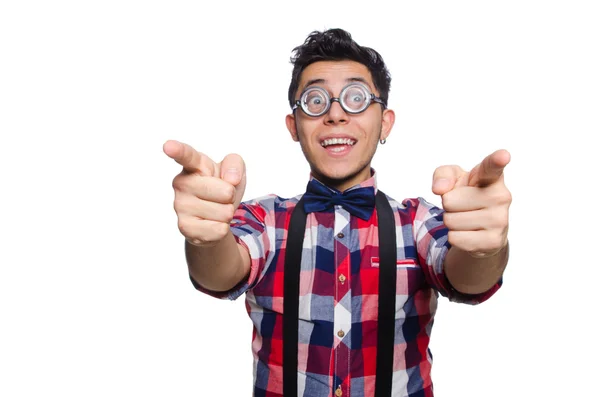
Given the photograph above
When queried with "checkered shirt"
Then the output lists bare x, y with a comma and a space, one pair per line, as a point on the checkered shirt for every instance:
339, 280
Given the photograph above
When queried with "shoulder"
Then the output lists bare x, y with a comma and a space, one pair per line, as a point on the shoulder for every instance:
272, 201
411, 203
414, 208
269, 205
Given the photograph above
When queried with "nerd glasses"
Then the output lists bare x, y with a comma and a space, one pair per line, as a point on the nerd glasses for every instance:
354, 98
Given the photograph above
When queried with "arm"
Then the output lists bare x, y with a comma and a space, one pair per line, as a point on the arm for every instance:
206, 197
472, 275
219, 267
476, 207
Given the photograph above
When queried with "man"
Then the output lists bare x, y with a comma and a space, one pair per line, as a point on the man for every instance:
357, 314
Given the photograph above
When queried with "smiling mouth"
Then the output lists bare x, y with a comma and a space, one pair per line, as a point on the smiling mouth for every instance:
337, 144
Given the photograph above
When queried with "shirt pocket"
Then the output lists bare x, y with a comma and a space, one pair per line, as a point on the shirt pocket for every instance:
409, 275
400, 263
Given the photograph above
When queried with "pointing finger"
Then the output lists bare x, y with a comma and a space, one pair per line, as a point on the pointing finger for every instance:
490, 169
189, 158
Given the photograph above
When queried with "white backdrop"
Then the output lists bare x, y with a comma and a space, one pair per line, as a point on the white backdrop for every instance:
94, 294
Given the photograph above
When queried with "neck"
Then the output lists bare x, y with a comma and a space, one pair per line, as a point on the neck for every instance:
343, 184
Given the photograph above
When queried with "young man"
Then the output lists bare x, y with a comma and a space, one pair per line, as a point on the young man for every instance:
360, 271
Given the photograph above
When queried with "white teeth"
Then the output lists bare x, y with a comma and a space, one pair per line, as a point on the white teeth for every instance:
338, 141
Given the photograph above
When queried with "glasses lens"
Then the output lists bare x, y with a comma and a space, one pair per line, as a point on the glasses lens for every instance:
314, 101
355, 98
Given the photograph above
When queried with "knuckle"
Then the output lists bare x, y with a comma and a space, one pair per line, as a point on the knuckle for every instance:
463, 244
185, 228
229, 212
209, 188
452, 238
183, 182
498, 241
204, 187
448, 220
445, 203
182, 203
493, 218
177, 183
502, 196
221, 230
230, 193
493, 242
501, 219
507, 197
177, 205
447, 200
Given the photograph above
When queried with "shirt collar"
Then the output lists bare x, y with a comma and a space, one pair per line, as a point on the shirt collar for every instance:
370, 182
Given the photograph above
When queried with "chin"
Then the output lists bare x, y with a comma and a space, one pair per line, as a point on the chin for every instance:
337, 175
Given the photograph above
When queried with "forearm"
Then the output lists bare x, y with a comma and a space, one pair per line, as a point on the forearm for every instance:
472, 275
219, 267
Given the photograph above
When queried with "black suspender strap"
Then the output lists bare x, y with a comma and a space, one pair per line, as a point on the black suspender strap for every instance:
386, 313
387, 297
291, 297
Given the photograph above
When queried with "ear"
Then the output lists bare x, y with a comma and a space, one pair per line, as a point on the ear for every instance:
387, 122
290, 122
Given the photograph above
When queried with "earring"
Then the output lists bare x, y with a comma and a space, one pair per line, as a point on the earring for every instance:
382, 141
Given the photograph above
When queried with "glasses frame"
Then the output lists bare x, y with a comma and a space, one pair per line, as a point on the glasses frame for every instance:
370, 99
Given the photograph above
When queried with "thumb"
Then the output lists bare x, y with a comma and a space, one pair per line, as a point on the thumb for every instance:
233, 170
445, 178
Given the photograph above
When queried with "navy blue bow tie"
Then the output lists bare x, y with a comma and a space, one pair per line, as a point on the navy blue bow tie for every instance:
359, 202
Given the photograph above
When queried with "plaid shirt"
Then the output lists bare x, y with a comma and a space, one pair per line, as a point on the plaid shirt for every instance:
339, 296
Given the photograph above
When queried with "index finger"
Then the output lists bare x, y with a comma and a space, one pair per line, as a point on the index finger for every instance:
490, 169
187, 157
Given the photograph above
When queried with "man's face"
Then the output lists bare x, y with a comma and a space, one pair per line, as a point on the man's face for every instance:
339, 146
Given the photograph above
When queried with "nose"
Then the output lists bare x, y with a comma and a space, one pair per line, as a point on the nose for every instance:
336, 114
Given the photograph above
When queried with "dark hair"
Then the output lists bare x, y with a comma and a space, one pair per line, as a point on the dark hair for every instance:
337, 45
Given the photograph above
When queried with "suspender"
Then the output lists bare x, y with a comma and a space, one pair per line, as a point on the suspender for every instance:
387, 297
291, 297
386, 313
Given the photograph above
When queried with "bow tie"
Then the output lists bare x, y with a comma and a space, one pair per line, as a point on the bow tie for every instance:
359, 202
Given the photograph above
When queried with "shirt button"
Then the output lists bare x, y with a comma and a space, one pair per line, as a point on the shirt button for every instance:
342, 278
340, 235
341, 333
338, 391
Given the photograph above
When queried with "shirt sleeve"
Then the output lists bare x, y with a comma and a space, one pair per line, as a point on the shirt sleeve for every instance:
251, 227
431, 242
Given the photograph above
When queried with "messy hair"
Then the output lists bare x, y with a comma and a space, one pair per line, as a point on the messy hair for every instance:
338, 45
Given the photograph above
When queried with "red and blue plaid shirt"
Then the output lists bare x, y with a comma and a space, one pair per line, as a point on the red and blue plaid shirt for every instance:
339, 282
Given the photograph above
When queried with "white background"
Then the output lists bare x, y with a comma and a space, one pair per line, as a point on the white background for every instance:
94, 294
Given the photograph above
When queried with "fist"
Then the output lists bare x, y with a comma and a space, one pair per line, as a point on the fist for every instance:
476, 204
206, 193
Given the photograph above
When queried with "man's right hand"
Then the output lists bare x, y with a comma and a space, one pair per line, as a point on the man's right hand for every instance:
206, 193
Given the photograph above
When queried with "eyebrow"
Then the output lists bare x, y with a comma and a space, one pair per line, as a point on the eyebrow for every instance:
348, 80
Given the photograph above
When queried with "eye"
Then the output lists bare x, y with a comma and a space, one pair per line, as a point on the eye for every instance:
315, 100
355, 98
